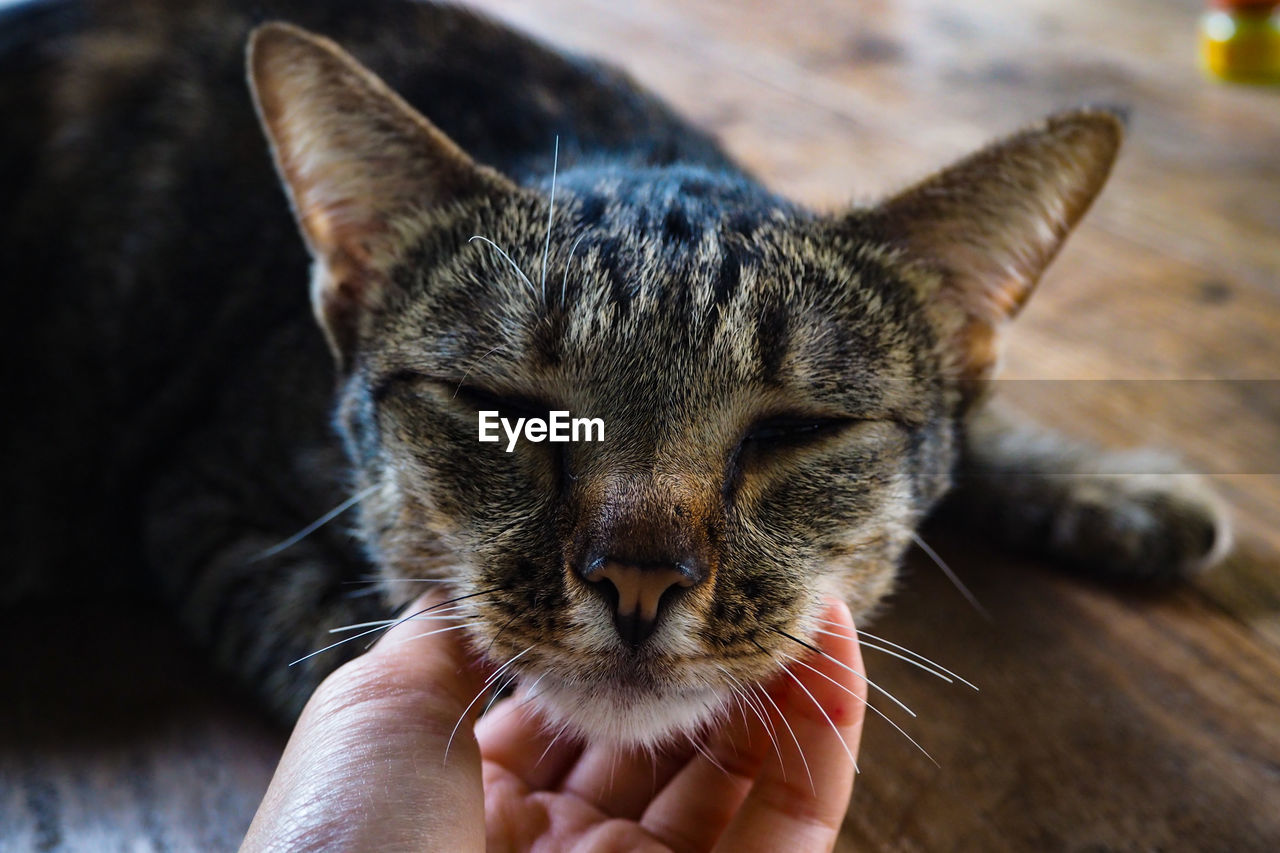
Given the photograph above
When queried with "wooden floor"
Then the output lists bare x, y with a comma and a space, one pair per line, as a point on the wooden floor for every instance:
1107, 719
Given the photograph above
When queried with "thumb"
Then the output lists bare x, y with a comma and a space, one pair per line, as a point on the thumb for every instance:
366, 765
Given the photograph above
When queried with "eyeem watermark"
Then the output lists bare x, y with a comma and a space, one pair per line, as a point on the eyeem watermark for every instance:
558, 427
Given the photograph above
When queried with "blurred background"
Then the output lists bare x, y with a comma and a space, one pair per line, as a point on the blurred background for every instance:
1108, 718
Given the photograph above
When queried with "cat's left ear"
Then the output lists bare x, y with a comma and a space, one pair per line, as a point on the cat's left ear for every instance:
986, 227
354, 159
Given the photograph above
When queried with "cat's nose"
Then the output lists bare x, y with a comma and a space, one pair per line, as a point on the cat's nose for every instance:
638, 593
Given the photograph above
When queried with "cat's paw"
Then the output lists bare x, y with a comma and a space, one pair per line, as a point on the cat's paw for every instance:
1141, 525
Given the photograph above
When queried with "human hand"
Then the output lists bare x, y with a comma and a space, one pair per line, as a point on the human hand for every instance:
366, 767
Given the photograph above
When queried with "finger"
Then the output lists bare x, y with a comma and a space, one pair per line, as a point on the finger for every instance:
512, 736
425, 649
824, 707
379, 724
696, 805
622, 782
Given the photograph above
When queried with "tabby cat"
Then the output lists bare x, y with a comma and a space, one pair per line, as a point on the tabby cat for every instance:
493, 225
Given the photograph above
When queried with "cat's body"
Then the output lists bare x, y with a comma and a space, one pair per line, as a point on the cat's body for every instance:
172, 400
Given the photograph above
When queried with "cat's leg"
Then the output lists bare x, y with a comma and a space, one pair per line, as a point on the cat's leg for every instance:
257, 612
1132, 514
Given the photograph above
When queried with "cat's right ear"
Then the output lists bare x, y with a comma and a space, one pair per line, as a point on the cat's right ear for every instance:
987, 226
354, 159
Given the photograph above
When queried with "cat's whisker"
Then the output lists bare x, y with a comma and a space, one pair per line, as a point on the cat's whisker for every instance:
794, 739
507, 258
450, 609
497, 694
564, 727
397, 580
870, 707
861, 633
905, 659
746, 723
483, 689
551, 213
487, 683
868, 645
510, 661
531, 692
564, 279
952, 576
313, 526
435, 631
834, 729
847, 668
503, 627
451, 613
701, 750
342, 629
756, 706
761, 713
399, 621
742, 709
762, 693
470, 367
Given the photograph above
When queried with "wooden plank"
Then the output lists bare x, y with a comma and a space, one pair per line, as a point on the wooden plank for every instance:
1105, 720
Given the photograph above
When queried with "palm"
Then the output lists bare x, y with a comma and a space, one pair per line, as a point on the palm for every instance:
747, 788
520, 817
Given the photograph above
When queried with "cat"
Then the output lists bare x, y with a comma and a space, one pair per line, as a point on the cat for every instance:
494, 226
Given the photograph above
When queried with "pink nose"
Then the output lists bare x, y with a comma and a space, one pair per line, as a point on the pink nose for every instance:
638, 594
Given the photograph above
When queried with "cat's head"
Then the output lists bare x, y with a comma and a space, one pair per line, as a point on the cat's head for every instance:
780, 390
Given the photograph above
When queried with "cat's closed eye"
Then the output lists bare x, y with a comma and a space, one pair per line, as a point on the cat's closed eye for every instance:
509, 405
462, 394
793, 430
783, 438
776, 436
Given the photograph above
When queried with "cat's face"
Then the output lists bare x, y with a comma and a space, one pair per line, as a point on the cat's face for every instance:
774, 425
779, 391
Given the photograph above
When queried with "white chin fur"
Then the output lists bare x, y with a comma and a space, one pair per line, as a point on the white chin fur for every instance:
626, 719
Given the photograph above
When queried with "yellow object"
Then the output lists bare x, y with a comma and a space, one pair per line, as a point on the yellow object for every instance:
1240, 42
